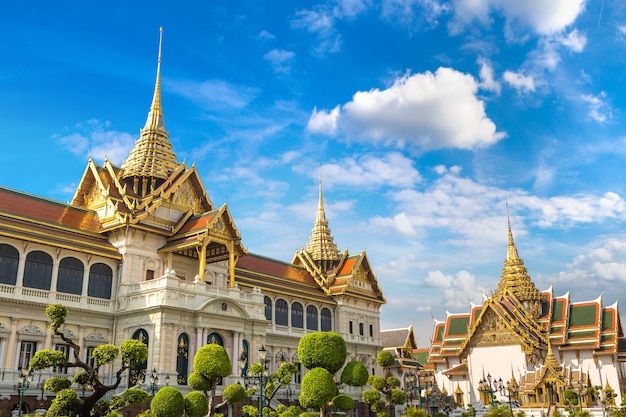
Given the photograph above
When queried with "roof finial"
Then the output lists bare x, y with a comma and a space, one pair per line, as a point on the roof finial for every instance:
511, 253
155, 116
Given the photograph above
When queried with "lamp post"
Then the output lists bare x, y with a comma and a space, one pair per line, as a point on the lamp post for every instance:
511, 391
154, 382
487, 389
410, 384
24, 378
257, 374
428, 383
42, 397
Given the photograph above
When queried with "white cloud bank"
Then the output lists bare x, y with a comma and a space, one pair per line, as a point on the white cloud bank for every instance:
544, 17
94, 138
431, 110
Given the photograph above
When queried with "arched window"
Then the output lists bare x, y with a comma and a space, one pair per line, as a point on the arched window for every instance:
70, 277
268, 308
297, 319
38, 270
9, 260
182, 359
311, 318
282, 312
100, 281
326, 319
214, 338
137, 374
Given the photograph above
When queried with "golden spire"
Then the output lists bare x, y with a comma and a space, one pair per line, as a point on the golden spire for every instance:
152, 158
515, 277
551, 361
321, 245
155, 115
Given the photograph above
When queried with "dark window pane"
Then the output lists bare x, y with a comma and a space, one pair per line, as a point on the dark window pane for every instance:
38, 270
282, 313
297, 315
70, 277
100, 281
311, 318
9, 260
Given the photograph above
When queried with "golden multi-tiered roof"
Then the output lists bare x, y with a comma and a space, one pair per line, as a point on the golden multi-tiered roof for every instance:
321, 246
516, 280
152, 158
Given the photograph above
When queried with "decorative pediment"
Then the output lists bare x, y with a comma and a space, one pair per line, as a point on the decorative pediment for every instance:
96, 337
32, 330
493, 331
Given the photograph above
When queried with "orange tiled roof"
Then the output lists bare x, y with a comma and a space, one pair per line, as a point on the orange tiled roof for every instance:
36, 219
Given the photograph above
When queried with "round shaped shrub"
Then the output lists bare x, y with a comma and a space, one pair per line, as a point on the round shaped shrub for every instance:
318, 387
168, 402
198, 382
234, 393
385, 359
324, 350
343, 402
212, 361
196, 404
354, 374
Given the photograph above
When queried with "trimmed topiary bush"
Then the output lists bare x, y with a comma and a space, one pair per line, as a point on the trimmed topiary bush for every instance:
354, 374
324, 350
343, 402
168, 402
196, 404
318, 387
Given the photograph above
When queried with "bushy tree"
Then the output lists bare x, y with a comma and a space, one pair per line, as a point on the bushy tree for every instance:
210, 364
412, 411
131, 353
499, 410
325, 353
385, 393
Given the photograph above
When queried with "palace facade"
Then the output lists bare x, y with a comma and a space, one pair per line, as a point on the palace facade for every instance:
142, 252
526, 347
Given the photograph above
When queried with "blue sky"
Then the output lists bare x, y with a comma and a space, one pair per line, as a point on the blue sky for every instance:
425, 115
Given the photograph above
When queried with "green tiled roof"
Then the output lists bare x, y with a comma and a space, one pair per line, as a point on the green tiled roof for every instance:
583, 315
458, 325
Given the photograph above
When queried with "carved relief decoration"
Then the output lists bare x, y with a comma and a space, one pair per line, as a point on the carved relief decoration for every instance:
492, 331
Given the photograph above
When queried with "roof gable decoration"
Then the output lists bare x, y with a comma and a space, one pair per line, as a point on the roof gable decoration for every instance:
359, 276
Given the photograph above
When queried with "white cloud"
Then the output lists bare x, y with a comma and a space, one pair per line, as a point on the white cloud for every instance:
604, 263
94, 138
411, 13
280, 59
323, 121
265, 35
321, 21
544, 17
372, 171
458, 289
400, 223
416, 109
519, 81
215, 95
574, 40
318, 21
487, 81
599, 109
